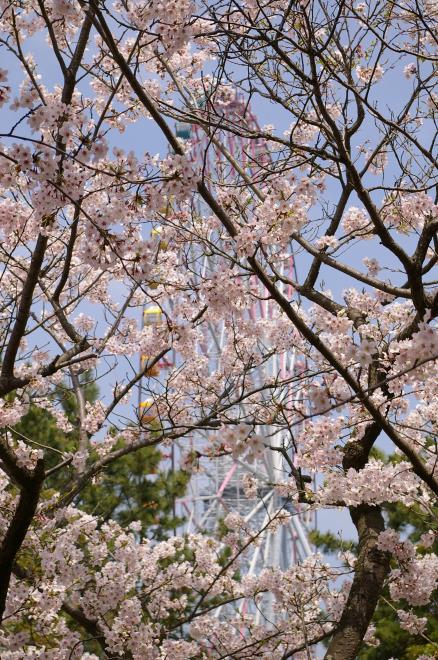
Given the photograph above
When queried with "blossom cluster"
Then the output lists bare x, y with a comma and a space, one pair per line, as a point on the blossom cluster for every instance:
415, 577
140, 593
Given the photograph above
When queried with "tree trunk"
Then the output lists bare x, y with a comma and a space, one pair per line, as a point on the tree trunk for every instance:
371, 569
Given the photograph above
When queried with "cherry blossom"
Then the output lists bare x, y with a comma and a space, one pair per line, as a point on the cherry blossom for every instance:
218, 291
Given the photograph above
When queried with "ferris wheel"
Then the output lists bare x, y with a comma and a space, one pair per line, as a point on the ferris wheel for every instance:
216, 489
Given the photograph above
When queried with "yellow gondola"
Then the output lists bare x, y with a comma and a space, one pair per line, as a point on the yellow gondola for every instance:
146, 406
156, 233
152, 371
152, 315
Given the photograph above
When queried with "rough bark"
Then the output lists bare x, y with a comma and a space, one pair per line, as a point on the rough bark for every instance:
17, 530
372, 565
371, 569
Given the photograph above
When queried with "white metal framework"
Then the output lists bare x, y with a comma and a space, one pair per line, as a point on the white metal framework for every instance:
217, 489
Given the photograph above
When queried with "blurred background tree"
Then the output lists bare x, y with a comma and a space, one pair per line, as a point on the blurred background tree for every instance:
136, 487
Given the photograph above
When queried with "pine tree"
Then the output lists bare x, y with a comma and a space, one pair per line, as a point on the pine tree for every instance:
410, 522
136, 487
